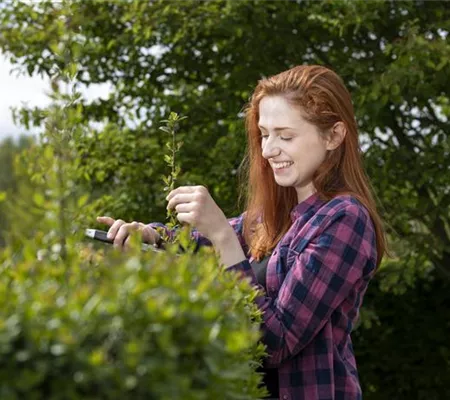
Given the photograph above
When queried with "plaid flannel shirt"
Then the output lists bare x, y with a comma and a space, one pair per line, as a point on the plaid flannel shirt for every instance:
316, 279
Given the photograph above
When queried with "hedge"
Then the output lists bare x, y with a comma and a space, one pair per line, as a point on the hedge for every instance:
107, 325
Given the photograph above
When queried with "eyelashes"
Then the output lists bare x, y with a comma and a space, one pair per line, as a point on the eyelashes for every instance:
282, 138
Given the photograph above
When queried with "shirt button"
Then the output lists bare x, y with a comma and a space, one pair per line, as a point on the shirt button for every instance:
285, 397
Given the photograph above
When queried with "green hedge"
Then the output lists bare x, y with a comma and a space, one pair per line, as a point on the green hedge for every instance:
105, 325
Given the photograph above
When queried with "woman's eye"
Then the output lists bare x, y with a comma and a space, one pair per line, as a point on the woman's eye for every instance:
282, 138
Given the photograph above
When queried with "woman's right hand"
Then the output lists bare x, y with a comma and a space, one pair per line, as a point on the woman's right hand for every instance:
120, 232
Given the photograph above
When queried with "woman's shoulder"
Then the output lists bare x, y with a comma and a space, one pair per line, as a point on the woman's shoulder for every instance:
343, 205
340, 220
342, 202
319, 210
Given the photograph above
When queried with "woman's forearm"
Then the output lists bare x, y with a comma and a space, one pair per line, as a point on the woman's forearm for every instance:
227, 245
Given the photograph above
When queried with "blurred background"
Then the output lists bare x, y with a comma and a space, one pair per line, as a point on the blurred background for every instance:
128, 63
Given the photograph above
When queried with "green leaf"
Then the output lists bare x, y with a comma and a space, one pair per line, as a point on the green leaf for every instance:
165, 129
38, 199
111, 44
72, 70
82, 200
55, 48
77, 49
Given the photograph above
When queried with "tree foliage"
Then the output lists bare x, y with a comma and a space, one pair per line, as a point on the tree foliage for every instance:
9, 178
202, 59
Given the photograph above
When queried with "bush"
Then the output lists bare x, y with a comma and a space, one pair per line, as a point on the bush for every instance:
104, 325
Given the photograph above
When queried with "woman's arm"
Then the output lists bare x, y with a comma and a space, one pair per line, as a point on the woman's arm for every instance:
334, 267
229, 248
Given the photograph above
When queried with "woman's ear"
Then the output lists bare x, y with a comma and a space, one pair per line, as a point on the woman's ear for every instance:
337, 135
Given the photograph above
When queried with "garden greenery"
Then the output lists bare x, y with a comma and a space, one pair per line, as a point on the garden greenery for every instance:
80, 320
110, 325
198, 58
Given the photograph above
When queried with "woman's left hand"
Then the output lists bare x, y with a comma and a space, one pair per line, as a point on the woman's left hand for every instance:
195, 206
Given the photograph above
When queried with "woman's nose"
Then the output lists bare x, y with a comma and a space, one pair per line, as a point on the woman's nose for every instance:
269, 149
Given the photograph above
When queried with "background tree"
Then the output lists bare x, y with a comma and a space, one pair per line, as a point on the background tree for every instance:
203, 59
9, 178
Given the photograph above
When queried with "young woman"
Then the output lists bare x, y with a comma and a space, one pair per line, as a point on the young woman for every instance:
310, 237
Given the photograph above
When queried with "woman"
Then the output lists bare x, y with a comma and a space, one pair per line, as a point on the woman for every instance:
311, 236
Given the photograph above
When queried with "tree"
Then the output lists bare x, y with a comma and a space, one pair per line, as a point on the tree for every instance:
9, 150
202, 59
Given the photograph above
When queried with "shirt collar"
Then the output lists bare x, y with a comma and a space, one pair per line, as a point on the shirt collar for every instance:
312, 202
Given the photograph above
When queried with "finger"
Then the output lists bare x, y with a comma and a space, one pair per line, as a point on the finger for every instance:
106, 220
126, 244
149, 235
185, 207
180, 198
123, 233
186, 218
112, 232
180, 189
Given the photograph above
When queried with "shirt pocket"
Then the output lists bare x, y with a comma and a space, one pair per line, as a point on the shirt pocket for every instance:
295, 249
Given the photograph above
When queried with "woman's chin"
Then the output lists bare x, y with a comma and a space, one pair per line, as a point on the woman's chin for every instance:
284, 183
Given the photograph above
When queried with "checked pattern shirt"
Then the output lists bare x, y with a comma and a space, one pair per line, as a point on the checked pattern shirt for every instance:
316, 279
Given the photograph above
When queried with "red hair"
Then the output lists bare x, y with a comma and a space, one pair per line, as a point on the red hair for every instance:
323, 99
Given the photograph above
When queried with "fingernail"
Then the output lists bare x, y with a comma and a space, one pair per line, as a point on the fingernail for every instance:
109, 235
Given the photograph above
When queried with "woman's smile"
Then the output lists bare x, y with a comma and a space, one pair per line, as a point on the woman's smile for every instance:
283, 164
281, 167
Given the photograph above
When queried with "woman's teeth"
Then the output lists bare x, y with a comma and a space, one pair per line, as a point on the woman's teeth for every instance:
282, 165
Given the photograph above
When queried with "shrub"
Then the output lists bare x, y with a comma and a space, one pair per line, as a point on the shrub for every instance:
106, 325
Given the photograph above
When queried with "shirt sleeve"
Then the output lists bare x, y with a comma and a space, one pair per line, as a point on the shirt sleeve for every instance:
236, 223
334, 263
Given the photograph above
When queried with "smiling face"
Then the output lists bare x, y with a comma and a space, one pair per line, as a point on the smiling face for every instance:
294, 148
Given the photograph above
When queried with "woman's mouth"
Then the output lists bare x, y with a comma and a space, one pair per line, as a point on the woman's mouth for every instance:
283, 166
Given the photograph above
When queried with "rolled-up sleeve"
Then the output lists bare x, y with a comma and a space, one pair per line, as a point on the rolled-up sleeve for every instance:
324, 273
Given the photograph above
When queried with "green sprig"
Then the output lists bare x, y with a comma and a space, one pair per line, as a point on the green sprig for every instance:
171, 127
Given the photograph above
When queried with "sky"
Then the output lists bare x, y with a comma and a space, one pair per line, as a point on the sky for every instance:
14, 92
18, 90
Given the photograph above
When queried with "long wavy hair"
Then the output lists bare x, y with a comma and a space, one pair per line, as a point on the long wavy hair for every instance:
323, 99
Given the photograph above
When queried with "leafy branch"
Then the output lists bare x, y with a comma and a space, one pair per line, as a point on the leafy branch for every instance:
171, 126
